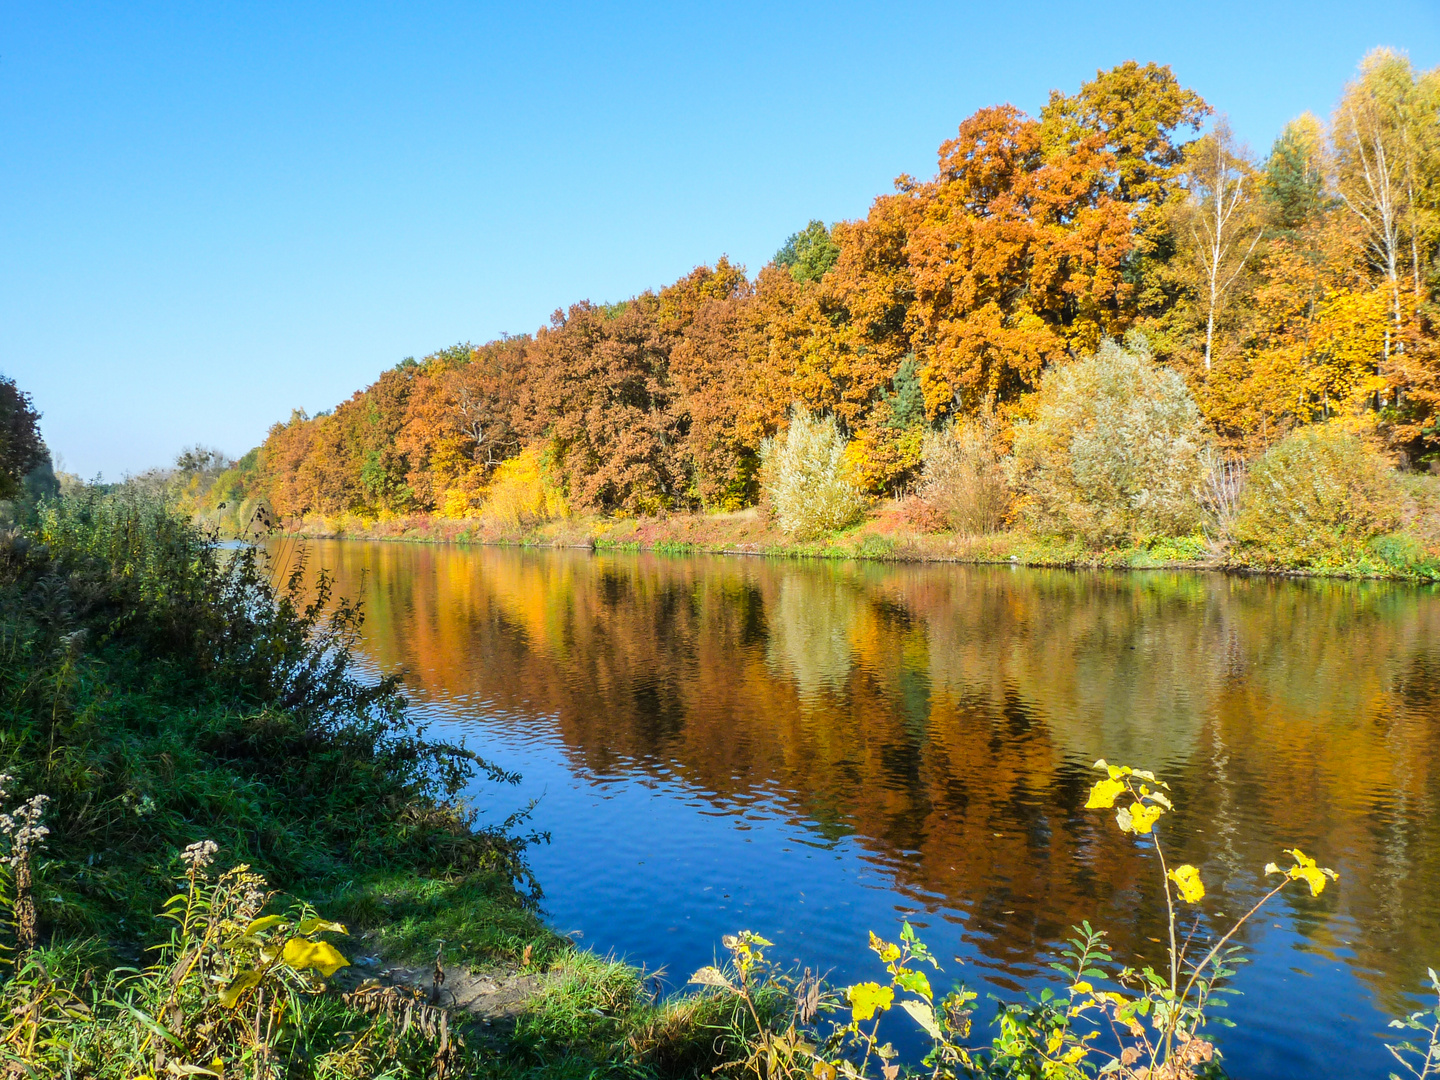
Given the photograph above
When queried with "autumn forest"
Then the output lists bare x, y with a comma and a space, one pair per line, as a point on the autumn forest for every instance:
1286, 289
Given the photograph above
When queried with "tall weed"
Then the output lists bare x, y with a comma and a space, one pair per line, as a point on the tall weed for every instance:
1108, 1020
964, 477
160, 688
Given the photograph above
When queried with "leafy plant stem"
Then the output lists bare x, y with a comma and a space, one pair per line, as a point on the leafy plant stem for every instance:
1215, 950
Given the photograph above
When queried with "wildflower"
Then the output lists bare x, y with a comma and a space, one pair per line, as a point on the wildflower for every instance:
198, 856
23, 828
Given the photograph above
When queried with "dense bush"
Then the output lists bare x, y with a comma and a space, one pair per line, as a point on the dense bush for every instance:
964, 477
160, 690
1113, 451
1314, 500
522, 493
804, 477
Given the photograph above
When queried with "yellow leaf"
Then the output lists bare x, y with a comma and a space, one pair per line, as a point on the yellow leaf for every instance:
885, 949
1143, 817
319, 955
1104, 794
865, 998
1301, 859
230, 996
1081, 987
1312, 877
314, 925
1307, 871
1187, 880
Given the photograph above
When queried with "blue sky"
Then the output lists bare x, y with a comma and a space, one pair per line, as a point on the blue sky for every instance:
212, 214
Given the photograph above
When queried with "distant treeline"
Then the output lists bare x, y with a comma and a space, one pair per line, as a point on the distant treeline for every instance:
1285, 289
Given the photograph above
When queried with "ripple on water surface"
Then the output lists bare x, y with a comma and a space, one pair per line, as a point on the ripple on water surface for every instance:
812, 751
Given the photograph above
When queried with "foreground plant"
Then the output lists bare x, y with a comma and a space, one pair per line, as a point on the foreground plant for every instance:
1420, 1061
234, 991
1147, 1026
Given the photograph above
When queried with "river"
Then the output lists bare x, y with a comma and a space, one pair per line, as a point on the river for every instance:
814, 750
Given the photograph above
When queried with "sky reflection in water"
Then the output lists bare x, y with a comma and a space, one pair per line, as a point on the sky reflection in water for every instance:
815, 750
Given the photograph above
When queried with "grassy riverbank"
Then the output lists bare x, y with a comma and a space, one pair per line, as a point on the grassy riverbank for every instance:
886, 533
157, 693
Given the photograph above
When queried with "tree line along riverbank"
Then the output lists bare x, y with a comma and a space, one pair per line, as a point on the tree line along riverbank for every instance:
1108, 324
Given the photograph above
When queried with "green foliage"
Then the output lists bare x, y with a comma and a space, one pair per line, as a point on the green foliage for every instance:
804, 476
1314, 501
1113, 451
480, 916
1294, 186
1172, 549
907, 401
1421, 1061
809, 253
1404, 554
162, 690
233, 991
1106, 1021
20, 447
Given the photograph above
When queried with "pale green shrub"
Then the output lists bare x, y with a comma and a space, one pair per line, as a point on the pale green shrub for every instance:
1113, 451
803, 476
1314, 500
964, 477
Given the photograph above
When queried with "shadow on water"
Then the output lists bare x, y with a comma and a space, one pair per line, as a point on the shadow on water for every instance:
811, 750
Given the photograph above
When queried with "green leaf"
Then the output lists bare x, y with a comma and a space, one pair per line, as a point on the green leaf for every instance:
264, 923
916, 983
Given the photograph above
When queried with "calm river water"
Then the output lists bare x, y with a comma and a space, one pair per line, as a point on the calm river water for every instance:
814, 750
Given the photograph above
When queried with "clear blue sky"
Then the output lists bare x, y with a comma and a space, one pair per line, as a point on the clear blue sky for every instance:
211, 214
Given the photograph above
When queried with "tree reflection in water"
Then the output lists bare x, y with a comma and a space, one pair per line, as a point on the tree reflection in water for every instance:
942, 720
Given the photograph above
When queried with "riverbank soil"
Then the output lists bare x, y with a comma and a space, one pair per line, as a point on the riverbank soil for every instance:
887, 532
903, 530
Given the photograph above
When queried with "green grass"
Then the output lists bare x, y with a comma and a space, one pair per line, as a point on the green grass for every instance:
481, 918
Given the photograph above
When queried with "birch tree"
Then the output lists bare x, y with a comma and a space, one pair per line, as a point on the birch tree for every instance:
1221, 219
1385, 145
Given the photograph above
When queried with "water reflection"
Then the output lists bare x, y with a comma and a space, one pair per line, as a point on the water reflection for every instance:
815, 746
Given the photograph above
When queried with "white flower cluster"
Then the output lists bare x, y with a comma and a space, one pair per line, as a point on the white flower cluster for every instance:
198, 856
22, 828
